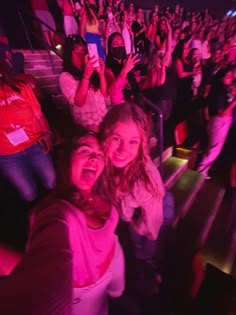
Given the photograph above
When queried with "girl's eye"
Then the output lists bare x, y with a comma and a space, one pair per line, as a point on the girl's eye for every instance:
116, 139
85, 152
133, 142
100, 156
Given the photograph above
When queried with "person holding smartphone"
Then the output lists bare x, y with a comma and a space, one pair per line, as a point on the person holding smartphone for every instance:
83, 83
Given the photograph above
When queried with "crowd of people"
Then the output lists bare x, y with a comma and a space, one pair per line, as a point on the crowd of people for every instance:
182, 61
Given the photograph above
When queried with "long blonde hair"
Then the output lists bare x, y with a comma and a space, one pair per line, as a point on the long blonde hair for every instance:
123, 180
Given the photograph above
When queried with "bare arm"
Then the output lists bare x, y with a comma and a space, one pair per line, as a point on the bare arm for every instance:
167, 56
103, 81
42, 282
82, 23
161, 77
149, 31
82, 90
180, 70
60, 3
157, 41
228, 110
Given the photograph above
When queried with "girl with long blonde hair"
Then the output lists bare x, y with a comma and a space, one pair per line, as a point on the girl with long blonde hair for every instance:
132, 180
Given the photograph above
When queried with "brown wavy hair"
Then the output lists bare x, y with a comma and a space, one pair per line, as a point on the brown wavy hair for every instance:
7, 77
123, 180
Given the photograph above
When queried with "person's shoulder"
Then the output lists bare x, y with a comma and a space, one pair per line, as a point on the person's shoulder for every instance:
66, 75
51, 206
150, 166
66, 78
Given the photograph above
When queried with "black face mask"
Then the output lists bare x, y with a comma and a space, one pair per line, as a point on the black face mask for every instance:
118, 52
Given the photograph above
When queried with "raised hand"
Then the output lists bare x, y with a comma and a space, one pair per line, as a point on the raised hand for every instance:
130, 63
89, 66
101, 69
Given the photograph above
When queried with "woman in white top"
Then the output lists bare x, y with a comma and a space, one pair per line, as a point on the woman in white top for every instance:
83, 84
206, 49
124, 28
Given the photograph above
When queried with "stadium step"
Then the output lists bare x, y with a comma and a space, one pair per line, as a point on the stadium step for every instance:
185, 190
45, 67
220, 246
173, 169
203, 212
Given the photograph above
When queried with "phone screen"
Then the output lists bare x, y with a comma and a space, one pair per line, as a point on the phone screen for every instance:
93, 52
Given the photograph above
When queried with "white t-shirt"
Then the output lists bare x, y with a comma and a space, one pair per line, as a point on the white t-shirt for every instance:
94, 108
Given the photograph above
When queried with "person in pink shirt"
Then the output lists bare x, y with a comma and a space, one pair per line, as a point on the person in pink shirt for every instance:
90, 221
73, 260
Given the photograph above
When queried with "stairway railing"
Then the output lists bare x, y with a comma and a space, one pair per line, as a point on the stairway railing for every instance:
157, 111
28, 31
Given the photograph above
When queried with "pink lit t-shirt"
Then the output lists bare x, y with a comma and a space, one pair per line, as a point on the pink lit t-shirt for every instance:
92, 249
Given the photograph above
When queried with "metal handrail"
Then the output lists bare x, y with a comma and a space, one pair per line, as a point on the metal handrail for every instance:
158, 111
39, 21
26, 31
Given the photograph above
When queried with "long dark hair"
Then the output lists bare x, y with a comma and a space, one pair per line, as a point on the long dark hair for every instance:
7, 77
178, 51
162, 34
110, 61
116, 67
68, 66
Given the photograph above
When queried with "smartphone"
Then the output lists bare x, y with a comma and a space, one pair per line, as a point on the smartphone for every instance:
93, 52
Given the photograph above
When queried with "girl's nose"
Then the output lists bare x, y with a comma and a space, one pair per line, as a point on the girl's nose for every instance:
93, 156
122, 147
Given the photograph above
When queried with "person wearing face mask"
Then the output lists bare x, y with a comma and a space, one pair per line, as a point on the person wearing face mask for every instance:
122, 84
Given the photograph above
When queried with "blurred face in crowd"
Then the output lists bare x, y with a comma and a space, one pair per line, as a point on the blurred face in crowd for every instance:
140, 14
182, 36
117, 41
228, 78
122, 6
154, 18
87, 163
117, 49
176, 33
92, 1
109, 10
156, 8
193, 26
78, 54
163, 26
131, 7
185, 51
216, 56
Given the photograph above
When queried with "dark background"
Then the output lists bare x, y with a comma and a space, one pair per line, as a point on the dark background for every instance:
10, 21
